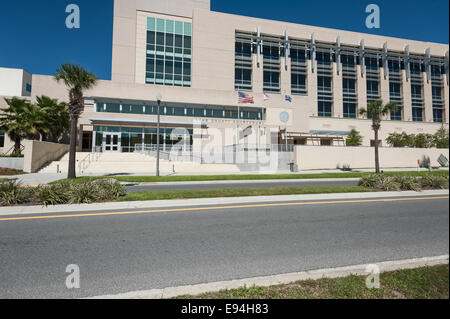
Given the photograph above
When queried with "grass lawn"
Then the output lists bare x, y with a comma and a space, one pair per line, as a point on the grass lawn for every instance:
148, 179
419, 283
231, 192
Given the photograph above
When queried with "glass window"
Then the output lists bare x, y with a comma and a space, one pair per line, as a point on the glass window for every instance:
324, 109
2, 139
171, 42
416, 91
151, 24
437, 115
187, 28
324, 83
112, 108
170, 26
349, 85
417, 114
350, 110
397, 115
160, 25
372, 88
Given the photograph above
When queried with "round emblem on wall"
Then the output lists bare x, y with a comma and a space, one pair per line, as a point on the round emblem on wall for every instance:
284, 117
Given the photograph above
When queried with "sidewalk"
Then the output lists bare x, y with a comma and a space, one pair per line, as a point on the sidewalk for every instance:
45, 178
32, 210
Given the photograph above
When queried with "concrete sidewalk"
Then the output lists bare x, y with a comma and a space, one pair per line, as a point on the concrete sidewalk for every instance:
45, 178
148, 205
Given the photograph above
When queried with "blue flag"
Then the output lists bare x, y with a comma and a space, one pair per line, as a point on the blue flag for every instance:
288, 98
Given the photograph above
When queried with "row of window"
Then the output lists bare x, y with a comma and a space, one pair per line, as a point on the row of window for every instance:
180, 110
168, 52
132, 136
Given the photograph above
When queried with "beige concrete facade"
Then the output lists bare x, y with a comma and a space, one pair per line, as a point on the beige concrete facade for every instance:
213, 73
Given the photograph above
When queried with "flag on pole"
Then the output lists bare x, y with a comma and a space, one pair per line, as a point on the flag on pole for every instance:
266, 97
245, 98
288, 98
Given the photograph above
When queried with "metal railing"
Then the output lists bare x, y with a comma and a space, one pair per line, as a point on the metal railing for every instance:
88, 160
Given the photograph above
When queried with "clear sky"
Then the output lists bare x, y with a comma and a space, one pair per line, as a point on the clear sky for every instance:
33, 35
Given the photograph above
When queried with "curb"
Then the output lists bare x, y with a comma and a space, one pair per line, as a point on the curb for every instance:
33, 210
266, 281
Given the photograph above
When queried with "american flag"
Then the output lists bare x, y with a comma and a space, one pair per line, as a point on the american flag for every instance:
245, 98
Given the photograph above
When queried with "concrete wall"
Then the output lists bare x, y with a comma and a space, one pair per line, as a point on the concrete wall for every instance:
124, 33
329, 157
12, 162
13, 82
37, 154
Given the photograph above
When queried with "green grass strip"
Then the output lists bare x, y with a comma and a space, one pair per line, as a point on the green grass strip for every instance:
419, 283
232, 192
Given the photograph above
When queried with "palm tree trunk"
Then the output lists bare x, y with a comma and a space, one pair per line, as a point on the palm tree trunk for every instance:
17, 145
377, 158
73, 146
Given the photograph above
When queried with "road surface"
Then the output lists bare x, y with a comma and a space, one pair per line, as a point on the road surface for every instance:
130, 251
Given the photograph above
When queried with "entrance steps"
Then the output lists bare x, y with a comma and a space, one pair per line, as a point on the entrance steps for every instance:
133, 163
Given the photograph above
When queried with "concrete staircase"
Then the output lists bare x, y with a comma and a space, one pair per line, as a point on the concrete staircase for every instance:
133, 163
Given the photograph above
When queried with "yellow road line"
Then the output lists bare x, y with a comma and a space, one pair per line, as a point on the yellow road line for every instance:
222, 207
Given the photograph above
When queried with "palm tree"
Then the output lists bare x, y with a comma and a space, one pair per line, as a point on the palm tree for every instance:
56, 118
77, 80
21, 120
376, 110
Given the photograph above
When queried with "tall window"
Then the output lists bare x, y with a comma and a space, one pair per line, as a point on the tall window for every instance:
373, 77
416, 90
271, 68
298, 70
324, 83
436, 87
349, 84
395, 91
169, 52
243, 65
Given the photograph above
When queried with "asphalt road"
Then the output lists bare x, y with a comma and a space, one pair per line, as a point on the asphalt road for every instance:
129, 252
222, 185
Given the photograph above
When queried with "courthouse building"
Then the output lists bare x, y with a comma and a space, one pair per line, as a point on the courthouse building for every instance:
308, 83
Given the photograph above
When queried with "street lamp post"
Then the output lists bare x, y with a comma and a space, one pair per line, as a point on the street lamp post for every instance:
158, 98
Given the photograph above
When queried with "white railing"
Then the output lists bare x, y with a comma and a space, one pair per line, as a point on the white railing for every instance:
84, 164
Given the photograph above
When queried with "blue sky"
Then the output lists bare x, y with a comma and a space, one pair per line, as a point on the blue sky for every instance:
33, 35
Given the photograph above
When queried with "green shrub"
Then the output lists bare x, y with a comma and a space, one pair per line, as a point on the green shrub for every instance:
61, 193
404, 182
354, 138
12, 194
52, 195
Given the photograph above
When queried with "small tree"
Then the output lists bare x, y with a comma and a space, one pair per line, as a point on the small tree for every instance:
423, 140
21, 120
77, 80
441, 139
56, 118
376, 110
354, 138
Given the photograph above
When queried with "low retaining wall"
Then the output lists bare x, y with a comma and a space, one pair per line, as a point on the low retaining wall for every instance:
37, 154
12, 162
331, 157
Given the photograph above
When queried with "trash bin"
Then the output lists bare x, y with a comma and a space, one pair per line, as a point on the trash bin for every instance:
293, 167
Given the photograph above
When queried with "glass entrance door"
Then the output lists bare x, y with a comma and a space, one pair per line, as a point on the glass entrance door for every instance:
111, 142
